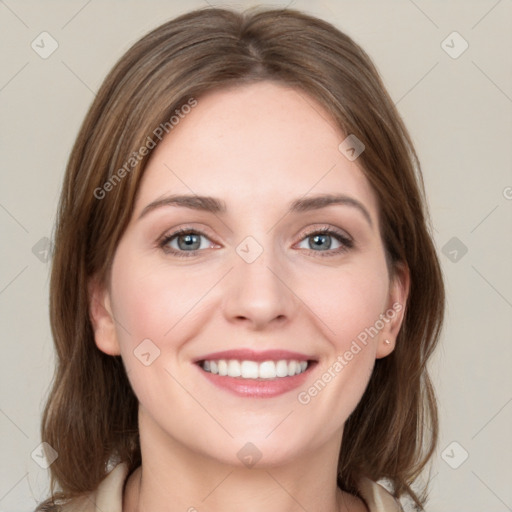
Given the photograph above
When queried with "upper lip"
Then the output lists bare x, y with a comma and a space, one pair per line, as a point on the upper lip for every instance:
253, 355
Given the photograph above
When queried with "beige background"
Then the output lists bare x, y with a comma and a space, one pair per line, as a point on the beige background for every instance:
459, 112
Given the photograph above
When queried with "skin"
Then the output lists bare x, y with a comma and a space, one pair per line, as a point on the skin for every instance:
257, 147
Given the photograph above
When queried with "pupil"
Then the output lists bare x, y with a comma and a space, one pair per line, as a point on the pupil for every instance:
189, 240
318, 240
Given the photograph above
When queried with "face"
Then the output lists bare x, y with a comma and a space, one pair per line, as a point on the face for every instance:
288, 294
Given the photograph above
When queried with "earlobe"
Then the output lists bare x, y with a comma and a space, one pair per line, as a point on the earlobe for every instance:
394, 315
102, 319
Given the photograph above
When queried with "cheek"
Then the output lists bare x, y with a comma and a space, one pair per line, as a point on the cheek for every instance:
350, 301
348, 308
150, 301
155, 312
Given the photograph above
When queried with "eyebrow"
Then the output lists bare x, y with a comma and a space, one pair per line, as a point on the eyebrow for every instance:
217, 206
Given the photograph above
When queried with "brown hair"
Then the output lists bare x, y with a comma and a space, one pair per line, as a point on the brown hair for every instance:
91, 412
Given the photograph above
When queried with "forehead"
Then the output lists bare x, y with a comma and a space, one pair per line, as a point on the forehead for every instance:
254, 145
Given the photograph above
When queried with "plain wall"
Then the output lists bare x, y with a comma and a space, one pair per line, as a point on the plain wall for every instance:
459, 113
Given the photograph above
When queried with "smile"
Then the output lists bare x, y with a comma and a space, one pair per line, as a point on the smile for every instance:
251, 374
255, 370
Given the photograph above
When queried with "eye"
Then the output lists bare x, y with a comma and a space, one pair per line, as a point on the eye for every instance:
184, 242
323, 239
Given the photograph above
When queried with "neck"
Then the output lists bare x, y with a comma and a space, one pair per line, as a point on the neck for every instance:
173, 477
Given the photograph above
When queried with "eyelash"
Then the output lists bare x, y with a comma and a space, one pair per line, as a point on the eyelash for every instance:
346, 242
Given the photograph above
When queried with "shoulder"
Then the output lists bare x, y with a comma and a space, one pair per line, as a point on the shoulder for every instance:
377, 498
107, 497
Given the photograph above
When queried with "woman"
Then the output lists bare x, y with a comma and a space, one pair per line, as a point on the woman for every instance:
244, 290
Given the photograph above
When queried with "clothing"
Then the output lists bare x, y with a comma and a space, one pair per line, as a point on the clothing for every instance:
108, 497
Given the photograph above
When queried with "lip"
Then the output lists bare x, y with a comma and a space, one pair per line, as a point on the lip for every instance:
252, 355
257, 388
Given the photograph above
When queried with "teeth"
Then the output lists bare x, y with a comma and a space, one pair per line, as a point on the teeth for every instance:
253, 369
281, 368
267, 370
223, 367
233, 368
249, 369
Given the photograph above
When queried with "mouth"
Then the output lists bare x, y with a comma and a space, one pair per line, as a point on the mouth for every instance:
252, 374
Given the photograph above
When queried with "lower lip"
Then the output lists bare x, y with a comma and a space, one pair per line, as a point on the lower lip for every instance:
258, 388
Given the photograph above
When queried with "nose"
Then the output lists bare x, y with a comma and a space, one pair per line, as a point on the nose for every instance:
258, 293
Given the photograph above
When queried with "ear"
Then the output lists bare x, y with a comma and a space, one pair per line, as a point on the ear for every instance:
394, 314
102, 319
